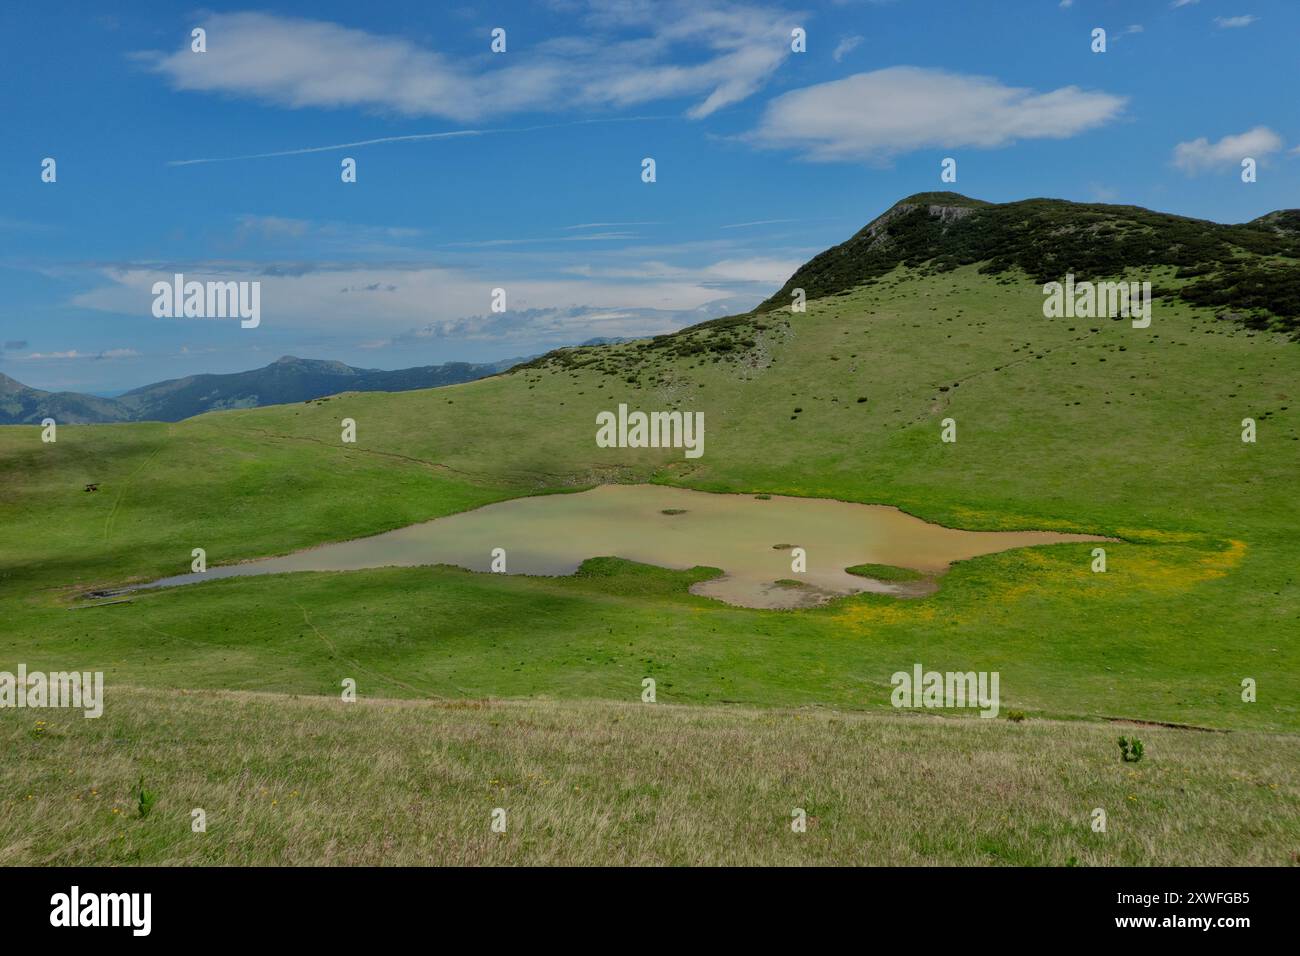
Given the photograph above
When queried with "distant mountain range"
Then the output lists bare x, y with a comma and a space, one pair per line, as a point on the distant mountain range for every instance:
285, 380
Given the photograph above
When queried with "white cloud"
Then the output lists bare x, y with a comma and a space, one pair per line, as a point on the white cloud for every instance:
845, 47
44, 356
1229, 23
381, 301
771, 272
75, 354
879, 114
629, 56
1182, 3
565, 325
1200, 155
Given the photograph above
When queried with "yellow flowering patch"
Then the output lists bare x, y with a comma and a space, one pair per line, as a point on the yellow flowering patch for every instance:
857, 615
1131, 568
975, 520
1217, 565
1160, 568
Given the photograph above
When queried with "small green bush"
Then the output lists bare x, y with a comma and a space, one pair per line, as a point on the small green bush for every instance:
1130, 751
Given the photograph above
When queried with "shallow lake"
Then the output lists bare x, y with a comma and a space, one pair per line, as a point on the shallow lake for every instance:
749, 538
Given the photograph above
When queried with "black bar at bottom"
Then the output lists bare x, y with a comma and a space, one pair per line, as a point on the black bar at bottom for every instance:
337, 905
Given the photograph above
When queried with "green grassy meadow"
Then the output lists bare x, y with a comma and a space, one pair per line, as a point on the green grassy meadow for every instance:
1063, 424
311, 781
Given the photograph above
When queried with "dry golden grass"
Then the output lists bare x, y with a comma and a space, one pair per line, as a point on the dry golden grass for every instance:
287, 780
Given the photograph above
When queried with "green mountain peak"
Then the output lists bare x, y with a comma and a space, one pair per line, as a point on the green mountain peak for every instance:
1251, 270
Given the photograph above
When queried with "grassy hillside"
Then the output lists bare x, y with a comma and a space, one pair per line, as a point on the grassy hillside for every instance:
1063, 424
1250, 272
317, 781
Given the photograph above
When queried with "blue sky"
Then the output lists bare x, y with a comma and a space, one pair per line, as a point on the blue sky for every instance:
522, 170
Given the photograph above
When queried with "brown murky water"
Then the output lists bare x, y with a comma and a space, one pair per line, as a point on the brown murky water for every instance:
554, 534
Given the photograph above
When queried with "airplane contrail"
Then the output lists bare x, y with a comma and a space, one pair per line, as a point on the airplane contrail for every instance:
415, 137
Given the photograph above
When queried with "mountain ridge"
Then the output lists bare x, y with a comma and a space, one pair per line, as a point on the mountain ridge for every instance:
287, 379
1239, 267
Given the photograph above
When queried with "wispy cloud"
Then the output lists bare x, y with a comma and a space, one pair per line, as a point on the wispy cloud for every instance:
274, 227
23, 225
874, 116
1199, 155
46, 356
1231, 23
715, 53
544, 240
757, 222
416, 138
75, 354
846, 46
608, 225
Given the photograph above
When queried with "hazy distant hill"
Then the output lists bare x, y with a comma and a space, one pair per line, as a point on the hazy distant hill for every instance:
288, 379
19, 404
